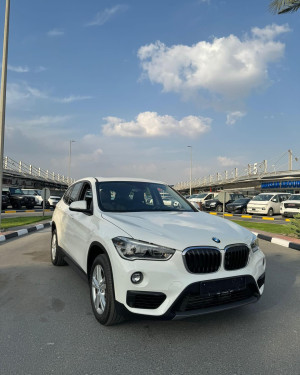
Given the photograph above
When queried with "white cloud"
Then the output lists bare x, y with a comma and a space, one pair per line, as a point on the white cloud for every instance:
233, 117
102, 17
40, 69
22, 93
55, 33
227, 162
45, 121
227, 68
150, 124
18, 69
73, 98
270, 31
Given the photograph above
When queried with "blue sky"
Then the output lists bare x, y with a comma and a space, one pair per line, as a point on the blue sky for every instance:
136, 82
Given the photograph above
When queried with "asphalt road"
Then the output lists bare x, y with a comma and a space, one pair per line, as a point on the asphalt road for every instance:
47, 325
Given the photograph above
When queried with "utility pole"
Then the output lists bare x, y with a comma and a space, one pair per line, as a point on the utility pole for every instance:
3, 95
70, 156
290, 160
191, 171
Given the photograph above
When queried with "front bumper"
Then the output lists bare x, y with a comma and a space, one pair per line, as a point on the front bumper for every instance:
289, 212
168, 290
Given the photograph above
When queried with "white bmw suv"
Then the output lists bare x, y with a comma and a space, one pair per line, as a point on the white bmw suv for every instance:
145, 257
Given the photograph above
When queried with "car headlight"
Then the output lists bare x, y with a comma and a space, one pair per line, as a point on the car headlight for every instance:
254, 244
213, 204
238, 206
131, 249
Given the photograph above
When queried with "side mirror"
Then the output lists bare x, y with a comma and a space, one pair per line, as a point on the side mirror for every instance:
274, 200
79, 206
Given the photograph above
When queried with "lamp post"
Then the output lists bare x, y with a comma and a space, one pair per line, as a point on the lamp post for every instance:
191, 171
3, 95
70, 156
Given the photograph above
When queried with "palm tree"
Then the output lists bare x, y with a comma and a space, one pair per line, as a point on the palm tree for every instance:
284, 6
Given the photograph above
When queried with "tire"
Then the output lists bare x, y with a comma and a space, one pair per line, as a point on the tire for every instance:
57, 257
17, 205
219, 208
244, 210
270, 212
102, 292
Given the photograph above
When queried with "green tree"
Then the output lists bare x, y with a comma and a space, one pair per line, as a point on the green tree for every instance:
284, 6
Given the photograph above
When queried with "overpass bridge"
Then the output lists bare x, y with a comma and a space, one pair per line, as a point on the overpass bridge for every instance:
253, 178
26, 175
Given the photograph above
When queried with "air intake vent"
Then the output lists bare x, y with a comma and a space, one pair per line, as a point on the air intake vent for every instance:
236, 257
145, 300
202, 259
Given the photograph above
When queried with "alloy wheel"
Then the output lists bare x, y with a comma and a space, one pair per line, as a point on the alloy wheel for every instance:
99, 289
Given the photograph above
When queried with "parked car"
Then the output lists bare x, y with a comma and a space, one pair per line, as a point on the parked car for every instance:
18, 199
291, 206
5, 202
216, 205
238, 206
53, 200
37, 194
202, 197
144, 257
266, 203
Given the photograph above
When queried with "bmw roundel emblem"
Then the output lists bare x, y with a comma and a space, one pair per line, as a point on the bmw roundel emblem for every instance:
216, 239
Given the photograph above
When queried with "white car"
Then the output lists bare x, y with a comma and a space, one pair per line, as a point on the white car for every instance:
201, 197
144, 257
37, 194
53, 200
291, 206
266, 203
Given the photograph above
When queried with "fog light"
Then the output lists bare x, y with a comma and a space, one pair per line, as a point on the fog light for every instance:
137, 277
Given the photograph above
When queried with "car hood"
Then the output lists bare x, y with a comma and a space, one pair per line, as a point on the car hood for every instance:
258, 203
179, 230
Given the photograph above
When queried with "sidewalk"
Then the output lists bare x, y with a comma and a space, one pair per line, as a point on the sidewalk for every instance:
291, 242
22, 230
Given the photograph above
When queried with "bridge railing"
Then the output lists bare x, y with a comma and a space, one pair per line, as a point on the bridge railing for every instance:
30, 170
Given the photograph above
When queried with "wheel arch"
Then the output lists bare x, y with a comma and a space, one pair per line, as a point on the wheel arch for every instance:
95, 249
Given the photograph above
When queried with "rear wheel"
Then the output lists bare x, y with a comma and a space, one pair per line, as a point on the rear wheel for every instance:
102, 292
57, 257
219, 208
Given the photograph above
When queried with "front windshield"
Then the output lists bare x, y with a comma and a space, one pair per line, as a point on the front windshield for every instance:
263, 197
132, 196
294, 198
203, 195
16, 191
242, 200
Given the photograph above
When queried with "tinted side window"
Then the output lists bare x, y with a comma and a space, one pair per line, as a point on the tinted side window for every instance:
75, 192
66, 196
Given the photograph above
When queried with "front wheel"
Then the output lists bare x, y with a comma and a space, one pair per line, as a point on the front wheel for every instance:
219, 208
57, 257
102, 292
244, 210
270, 212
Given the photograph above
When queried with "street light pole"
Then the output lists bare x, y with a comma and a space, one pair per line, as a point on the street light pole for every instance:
191, 171
3, 95
70, 156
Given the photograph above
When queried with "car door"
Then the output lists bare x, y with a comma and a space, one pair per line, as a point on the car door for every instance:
80, 227
67, 221
276, 204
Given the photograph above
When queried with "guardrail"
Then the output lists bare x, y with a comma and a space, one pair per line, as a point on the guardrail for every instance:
29, 170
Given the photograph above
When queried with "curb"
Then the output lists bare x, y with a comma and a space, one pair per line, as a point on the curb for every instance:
247, 216
16, 211
22, 232
278, 241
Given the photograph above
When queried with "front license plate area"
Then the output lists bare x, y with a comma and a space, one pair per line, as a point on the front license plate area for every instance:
222, 287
